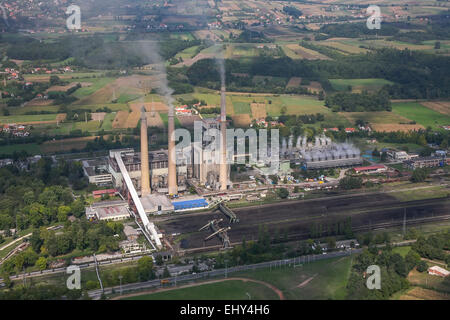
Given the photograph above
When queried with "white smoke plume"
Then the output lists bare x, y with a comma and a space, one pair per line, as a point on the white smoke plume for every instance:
150, 50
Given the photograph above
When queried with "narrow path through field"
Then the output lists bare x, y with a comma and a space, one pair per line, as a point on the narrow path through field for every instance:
275, 289
304, 283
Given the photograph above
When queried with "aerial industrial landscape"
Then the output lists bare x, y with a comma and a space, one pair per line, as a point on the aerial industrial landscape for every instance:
224, 150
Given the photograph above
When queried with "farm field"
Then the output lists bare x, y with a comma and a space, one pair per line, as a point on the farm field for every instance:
72, 76
107, 121
90, 126
394, 44
426, 287
295, 51
97, 84
296, 105
32, 108
442, 107
343, 47
31, 148
420, 194
359, 85
22, 119
383, 120
66, 144
224, 290
420, 114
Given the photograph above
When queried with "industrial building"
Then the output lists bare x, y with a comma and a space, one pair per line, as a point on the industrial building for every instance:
158, 169
396, 155
371, 169
108, 211
97, 171
426, 162
322, 153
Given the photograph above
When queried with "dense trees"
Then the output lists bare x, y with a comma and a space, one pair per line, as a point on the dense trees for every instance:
415, 74
356, 102
349, 182
394, 270
40, 196
419, 175
81, 236
434, 247
94, 51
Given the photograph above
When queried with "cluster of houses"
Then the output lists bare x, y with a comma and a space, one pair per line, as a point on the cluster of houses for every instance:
347, 130
14, 129
264, 124
11, 74
185, 110
51, 71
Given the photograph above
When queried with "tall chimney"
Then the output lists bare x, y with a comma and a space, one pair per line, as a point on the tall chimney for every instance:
173, 189
145, 171
223, 180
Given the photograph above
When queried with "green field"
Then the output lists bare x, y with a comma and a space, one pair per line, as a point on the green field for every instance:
358, 84
97, 83
226, 290
125, 97
422, 115
241, 107
420, 194
27, 118
90, 126
31, 148
327, 279
296, 105
107, 122
187, 53
403, 251
22, 110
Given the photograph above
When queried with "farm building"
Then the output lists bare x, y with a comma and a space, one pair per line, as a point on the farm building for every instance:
371, 169
438, 271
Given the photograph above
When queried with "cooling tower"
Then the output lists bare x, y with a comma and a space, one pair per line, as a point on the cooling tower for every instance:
145, 172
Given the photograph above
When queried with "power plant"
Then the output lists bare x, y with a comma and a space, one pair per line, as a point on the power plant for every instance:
321, 154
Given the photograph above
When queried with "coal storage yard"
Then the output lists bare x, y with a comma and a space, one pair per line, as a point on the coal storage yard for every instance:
295, 218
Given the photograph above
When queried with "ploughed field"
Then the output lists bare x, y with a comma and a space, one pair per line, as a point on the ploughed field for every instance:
297, 217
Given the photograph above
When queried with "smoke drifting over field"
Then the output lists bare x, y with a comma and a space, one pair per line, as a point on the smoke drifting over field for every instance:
150, 51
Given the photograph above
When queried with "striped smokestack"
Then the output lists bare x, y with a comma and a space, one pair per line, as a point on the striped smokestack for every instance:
145, 172
173, 189
223, 180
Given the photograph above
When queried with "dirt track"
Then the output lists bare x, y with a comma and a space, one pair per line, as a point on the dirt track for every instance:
275, 289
